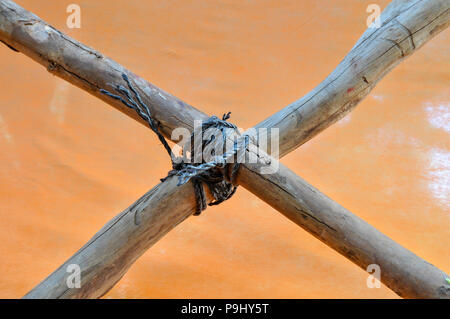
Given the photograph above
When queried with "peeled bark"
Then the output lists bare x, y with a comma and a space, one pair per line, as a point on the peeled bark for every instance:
108, 255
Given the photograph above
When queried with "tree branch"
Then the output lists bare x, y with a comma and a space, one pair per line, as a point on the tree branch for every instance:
107, 256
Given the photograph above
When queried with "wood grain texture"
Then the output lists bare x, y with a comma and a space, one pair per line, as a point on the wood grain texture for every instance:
401, 270
87, 68
107, 256
405, 27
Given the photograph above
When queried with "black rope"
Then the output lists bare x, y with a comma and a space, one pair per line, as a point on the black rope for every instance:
218, 174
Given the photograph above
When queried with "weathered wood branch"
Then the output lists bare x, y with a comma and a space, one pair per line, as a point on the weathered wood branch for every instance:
112, 251
405, 27
401, 270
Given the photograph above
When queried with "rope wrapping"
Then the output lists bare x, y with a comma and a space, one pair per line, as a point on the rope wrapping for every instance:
218, 174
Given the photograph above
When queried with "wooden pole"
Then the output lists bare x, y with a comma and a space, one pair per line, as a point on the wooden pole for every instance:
405, 27
153, 215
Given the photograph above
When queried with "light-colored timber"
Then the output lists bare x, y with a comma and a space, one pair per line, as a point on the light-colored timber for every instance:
406, 25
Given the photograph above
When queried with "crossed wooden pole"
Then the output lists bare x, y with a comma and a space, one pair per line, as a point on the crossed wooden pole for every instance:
405, 27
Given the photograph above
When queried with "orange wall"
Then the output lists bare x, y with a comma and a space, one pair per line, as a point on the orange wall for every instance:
69, 163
